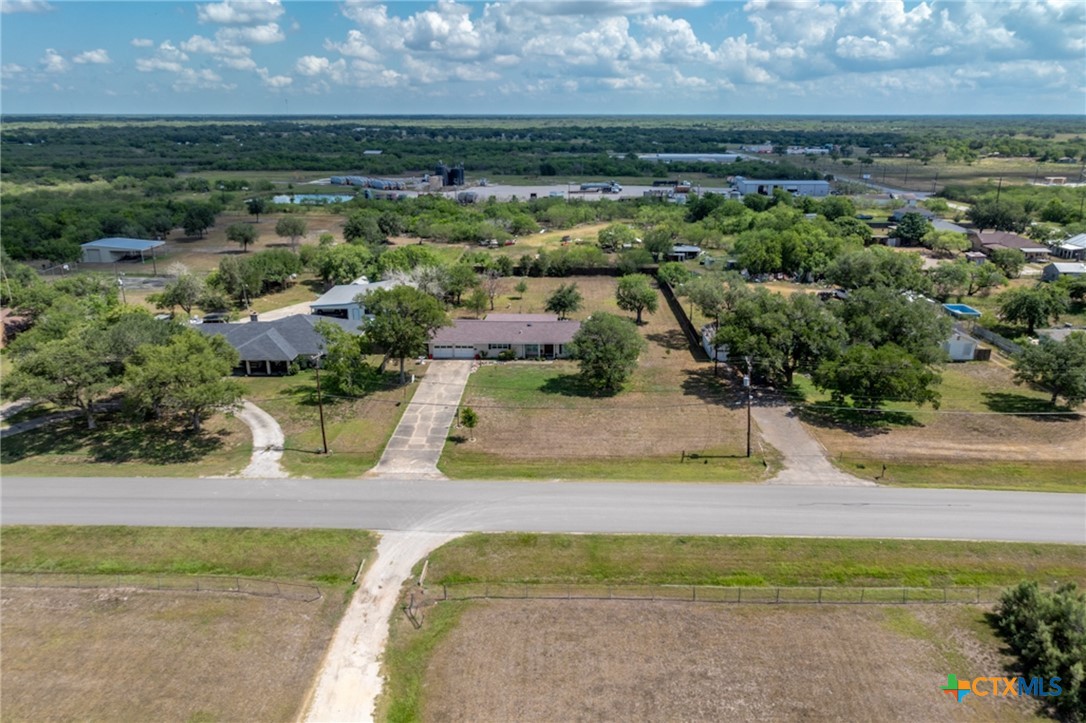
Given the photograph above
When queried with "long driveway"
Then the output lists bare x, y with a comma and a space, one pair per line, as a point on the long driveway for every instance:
445, 506
416, 444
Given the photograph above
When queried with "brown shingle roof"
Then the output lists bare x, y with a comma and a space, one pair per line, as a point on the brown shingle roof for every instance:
487, 331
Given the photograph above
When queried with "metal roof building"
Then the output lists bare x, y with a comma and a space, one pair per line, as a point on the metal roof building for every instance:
797, 188
109, 250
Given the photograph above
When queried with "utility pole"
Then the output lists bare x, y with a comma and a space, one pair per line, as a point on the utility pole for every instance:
999, 189
746, 383
320, 401
120, 283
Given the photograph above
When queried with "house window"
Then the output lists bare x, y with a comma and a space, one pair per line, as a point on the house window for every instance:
531, 350
498, 347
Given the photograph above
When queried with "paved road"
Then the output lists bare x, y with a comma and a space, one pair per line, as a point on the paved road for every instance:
443, 506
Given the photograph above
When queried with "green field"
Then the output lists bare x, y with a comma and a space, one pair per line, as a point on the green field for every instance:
748, 561
330, 556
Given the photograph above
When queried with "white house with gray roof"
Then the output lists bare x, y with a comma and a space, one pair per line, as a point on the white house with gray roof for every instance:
341, 302
268, 348
528, 336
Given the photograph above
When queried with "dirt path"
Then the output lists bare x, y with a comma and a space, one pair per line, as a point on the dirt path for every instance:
805, 461
268, 442
283, 312
350, 678
417, 443
36, 422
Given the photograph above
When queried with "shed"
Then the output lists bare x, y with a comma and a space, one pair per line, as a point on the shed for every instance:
111, 250
1057, 269
960, 347
1073, 248
683, 252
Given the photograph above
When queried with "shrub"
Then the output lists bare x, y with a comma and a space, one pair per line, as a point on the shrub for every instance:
507, 355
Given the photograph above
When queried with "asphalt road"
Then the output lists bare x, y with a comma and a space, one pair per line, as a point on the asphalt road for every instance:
443, 506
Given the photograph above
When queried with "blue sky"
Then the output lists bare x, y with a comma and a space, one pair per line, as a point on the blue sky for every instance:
543, 57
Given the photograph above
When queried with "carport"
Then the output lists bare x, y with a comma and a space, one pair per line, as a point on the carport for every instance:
112, 250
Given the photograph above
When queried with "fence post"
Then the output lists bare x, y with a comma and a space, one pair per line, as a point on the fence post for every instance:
569, 592
978, 594
819, 595
486, 591
525, 591
778, 594
944, 595
861, 594
444, 591
610, 593
693, 593
278, 591
904, 593
237, 584
739, 596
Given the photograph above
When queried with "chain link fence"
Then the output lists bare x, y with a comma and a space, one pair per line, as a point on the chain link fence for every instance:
177, 583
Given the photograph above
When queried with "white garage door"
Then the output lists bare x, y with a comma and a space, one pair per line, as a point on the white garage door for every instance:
447, 351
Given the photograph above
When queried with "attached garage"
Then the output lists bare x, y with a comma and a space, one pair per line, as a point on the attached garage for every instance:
453, 351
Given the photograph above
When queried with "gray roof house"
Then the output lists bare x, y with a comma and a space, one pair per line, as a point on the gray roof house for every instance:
339, 301
270, 347
528, 336
1063, 268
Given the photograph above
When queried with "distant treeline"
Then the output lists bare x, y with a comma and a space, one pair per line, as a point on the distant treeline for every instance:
77, 149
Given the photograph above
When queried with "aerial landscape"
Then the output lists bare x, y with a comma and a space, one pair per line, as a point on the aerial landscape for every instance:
543, 360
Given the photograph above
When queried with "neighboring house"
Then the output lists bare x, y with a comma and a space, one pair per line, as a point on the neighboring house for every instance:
268, 348
683, 252
796, 188
340, 301
528, 336
899, 214
1058, 269
708, 332
1073, 248
988, 241
111, 250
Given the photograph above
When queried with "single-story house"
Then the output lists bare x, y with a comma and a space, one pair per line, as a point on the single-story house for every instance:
683, 252
796, 188
1058, 269
720, 353
988, 241
528, 336
340, 301
111, 250
268, 348
1073, 248
899, 214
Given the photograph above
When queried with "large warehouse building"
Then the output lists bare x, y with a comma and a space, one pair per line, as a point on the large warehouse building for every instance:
796, 188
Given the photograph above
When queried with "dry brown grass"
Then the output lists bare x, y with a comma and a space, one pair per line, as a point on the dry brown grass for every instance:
552, 660
138, 655
671, 404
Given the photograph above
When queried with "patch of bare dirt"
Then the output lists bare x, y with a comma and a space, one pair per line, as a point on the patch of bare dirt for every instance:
580, 660
140, 655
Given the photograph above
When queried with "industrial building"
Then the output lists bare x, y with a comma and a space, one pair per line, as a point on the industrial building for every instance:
766, 187
112, 250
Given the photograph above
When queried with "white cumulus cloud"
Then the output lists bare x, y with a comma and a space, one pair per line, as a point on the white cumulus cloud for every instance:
143, 43
24, 6
239, 12
53, 62
93, 57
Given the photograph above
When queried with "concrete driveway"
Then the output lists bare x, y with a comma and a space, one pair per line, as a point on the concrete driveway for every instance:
416, 444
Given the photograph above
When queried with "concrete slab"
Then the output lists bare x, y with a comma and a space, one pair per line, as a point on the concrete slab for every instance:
416, 445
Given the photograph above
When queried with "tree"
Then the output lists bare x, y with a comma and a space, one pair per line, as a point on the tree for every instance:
364, 227
521, 288
344, 370
873, 376
983, 277
786, 335
492, 282
835, 207
342, 264
198, 218
635, 293
613, 237
238, 278
1047, 631
881, 316
565, 300
707, 293
469, 419
459, 278
184, 291
950, 279
1002, 216
607, 347
1033, 307
241, 233
674, 274
1009, 261
67, 371
945, 243
911, 228
186, 376
256, 207
659, 241
477, 301
291, 227
403, 321
1058, 366
878, 266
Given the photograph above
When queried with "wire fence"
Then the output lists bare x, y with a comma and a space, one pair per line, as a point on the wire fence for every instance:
720, 594
175, 583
